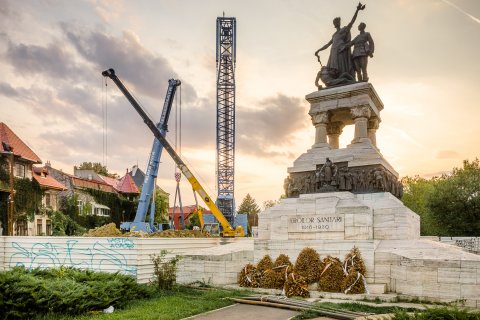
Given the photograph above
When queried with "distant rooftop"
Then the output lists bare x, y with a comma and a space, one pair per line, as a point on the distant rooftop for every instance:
9, 141
45, 180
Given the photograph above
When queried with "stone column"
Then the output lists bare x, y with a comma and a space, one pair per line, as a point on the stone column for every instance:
360, 116
373, 124
320, 121
334, 130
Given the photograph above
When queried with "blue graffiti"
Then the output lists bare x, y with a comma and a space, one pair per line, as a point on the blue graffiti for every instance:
97, 257
121, 243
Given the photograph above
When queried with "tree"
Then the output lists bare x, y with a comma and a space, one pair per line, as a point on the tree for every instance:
416, 192
251, 208
193, 220
269, 203
455, 200
97, 167
161, 206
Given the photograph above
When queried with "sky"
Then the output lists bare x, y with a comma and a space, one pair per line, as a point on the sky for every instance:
52, 95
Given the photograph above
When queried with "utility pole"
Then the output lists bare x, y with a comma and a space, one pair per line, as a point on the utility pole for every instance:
225, 62
11, 197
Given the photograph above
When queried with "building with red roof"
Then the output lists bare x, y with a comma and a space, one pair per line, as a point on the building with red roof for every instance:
50, 186
23, 156
188, 211
78, 187
124, 185
17, 154
127, 186
11, 142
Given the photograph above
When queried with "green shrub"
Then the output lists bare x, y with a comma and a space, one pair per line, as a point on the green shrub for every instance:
164, 271
28, 293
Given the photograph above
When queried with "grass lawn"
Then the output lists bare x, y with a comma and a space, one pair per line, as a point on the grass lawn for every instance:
359, 307
178, 303
431, 313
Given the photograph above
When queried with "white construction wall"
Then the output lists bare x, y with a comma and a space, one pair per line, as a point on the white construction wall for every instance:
126, 255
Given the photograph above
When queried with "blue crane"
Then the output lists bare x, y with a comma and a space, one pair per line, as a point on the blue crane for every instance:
228, 230
140, 223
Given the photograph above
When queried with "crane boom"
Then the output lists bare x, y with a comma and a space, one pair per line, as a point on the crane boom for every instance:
148, 187
228, 231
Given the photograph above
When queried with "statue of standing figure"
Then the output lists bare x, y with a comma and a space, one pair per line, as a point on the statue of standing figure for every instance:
363, 47
342, 65
340, 61
329, 173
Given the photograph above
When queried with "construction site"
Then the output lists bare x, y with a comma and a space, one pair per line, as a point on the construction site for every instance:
340, 231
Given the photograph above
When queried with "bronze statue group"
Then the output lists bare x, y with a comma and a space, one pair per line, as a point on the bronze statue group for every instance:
343, 65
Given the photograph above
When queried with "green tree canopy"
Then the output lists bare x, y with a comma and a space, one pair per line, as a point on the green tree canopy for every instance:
416, 192
251, 208
193, 220
455, 200
97, 167
269, 203
448, 205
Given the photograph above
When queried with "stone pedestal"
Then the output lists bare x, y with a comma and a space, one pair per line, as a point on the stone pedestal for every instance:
359, 167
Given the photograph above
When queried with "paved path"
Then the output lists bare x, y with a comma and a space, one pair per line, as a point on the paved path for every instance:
246, 311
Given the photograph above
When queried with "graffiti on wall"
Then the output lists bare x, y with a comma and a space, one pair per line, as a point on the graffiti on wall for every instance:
99, 256
471, 244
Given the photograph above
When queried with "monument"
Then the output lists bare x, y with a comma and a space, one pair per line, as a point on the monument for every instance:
338, 198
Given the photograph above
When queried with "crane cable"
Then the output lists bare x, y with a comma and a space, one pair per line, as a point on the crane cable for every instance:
104, 99
178, 147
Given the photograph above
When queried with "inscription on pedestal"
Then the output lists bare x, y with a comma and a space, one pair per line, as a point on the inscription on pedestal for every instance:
316, 223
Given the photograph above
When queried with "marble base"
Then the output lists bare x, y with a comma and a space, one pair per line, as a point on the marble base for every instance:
357, 155
339, 216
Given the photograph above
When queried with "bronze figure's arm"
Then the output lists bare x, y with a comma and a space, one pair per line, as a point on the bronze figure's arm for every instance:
371, 44
324, 47
360, 6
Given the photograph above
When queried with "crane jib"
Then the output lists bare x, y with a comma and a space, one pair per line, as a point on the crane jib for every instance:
181, 165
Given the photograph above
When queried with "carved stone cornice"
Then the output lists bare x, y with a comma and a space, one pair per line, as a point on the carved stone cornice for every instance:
335, 127
320, 117
360, 112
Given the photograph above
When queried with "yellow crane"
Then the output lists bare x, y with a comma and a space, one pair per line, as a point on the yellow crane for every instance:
228, 230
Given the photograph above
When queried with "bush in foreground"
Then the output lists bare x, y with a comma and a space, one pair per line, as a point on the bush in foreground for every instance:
28, 293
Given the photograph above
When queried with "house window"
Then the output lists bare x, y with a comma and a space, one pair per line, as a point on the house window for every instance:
48, 200
39, 227
53, 201
21, 228
80, 206
49, 227
20, 170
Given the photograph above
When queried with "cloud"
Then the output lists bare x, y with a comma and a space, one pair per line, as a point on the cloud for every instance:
64, 94
53, 60
447, 154
263, 130
109, 10
7, 90
64, 97
7, 15
4, 8
145, 71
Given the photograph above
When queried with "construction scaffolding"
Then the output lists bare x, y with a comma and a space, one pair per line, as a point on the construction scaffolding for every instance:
225, 62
